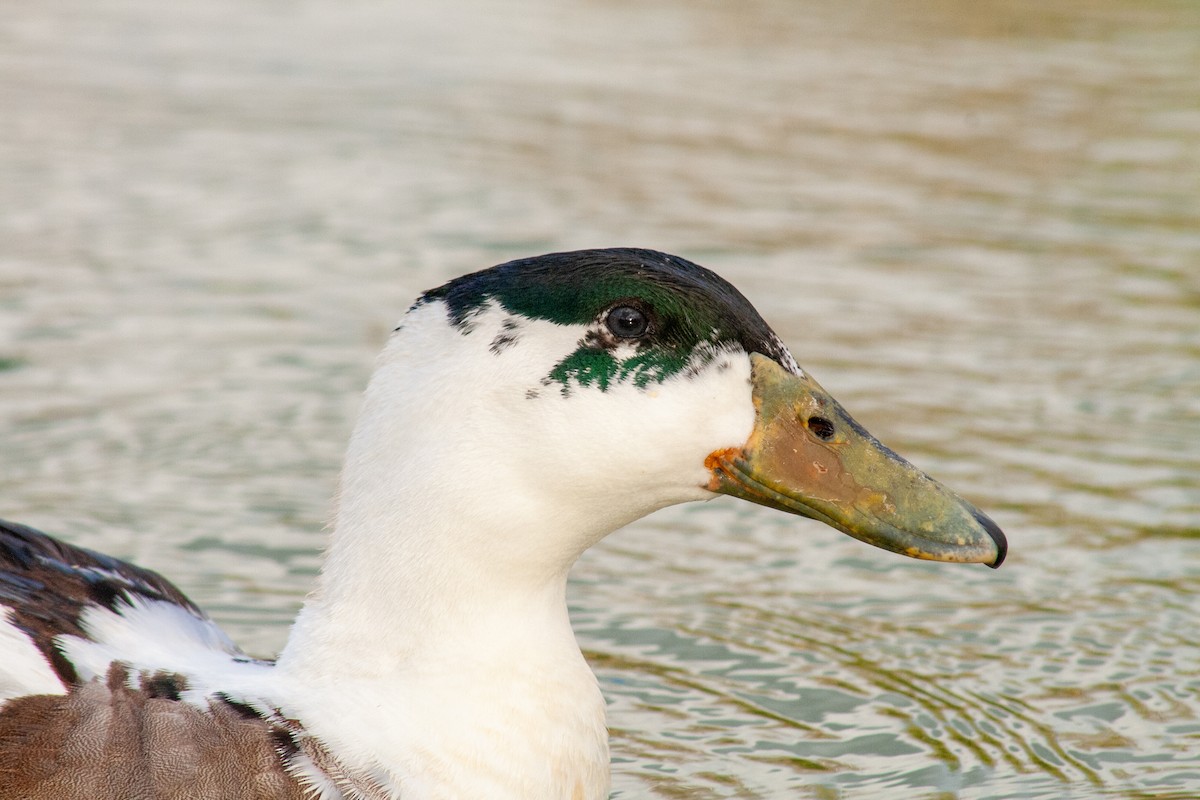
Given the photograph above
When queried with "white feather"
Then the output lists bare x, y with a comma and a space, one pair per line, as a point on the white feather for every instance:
25, 668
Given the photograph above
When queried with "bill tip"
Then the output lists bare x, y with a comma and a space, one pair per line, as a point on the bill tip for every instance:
993, 530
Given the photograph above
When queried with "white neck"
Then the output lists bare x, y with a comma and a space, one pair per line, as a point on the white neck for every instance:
446, 683
436, 654
440, 608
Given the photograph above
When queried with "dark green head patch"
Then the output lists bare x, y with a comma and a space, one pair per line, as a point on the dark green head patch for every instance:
694, 313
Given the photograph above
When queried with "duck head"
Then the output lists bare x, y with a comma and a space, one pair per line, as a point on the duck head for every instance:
583, 390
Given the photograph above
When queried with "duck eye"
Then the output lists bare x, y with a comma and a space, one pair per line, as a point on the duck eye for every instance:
821, 427
627, 322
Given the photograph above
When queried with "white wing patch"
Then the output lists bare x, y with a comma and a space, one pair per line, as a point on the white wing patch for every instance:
25, 668
151, 635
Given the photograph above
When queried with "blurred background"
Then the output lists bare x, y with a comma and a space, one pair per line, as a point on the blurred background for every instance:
978, 225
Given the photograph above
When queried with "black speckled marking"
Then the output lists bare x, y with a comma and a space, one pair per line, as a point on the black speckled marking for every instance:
163, 685
506, 338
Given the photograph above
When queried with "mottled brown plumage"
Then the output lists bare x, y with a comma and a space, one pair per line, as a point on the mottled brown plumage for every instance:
107, 741
127, 735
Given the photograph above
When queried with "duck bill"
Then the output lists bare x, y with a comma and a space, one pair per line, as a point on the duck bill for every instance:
807, 456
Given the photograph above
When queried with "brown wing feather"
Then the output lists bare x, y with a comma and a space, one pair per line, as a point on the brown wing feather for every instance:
107, 741
48, 584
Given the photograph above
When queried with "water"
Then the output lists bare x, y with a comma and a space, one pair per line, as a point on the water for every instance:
978, 226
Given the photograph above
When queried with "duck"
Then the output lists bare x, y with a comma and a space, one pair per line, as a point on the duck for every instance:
516, 416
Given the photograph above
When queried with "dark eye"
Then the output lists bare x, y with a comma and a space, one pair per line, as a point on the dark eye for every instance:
627, 322
821, 427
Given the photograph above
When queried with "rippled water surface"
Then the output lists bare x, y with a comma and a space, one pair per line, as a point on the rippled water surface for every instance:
977, 224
